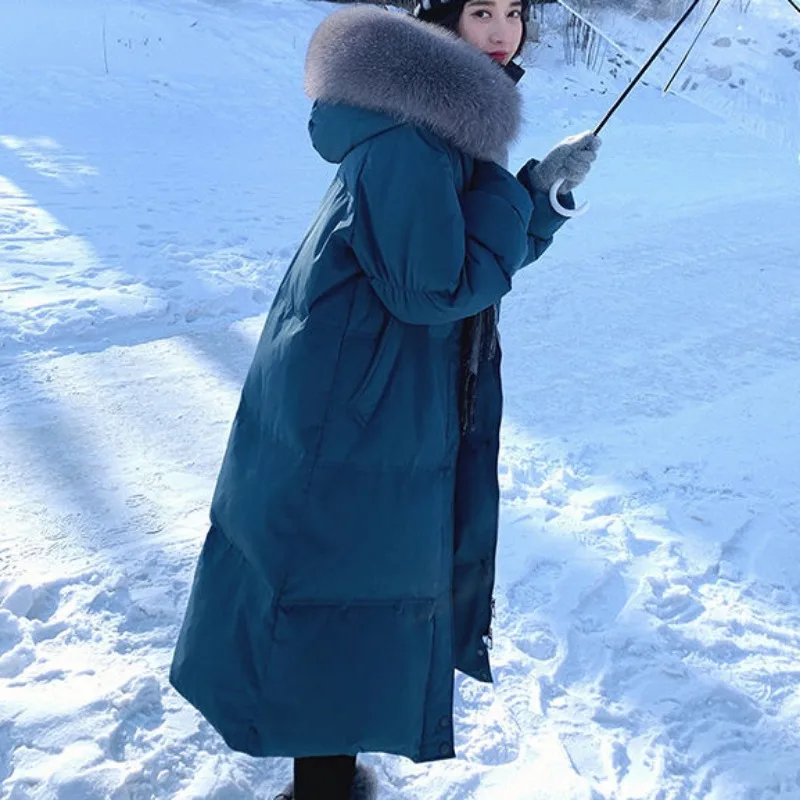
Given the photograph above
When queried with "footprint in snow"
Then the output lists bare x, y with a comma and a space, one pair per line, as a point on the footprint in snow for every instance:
536, 588
601, 605
111, 600
485, 730
675, 605
539, 643
698, 724
138, 708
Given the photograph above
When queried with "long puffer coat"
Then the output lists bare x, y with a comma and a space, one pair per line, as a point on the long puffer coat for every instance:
349, 565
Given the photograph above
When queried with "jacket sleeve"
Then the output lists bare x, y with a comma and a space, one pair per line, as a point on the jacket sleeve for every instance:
545, 220
430, 256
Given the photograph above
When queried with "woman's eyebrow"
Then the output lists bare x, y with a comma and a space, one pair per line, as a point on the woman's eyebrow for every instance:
491, 3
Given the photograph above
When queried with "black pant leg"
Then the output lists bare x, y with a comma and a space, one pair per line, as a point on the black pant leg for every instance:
324, 778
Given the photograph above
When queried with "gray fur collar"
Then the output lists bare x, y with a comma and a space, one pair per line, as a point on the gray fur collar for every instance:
389, 62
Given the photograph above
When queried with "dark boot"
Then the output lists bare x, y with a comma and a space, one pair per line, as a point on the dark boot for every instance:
331, 779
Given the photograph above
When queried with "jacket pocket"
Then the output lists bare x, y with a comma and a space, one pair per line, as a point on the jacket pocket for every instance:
363, 403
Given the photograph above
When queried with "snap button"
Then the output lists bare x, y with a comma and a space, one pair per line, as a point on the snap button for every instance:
444, 722
445, 749
481, 651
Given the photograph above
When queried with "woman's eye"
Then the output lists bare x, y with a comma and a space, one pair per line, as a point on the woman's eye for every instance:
479, 14
516, 14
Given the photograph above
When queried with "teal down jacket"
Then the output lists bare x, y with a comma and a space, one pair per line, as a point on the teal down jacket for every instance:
349, 565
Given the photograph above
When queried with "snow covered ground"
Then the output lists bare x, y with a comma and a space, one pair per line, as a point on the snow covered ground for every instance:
155, 178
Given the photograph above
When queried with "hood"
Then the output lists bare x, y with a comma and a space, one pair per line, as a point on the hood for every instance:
336, 129
369, 70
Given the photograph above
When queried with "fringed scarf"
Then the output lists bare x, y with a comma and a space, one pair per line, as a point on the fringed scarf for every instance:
481, 336
479, 344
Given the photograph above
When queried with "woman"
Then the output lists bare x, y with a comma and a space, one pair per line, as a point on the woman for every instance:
349, 565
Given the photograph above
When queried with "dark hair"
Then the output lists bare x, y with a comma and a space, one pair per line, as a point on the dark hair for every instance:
448, 16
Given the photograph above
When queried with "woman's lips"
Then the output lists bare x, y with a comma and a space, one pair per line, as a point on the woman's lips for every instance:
501, 57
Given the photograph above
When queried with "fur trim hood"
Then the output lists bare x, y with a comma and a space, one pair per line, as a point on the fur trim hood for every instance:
415, 72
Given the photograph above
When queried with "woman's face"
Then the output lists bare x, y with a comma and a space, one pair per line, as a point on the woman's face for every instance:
493, 26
